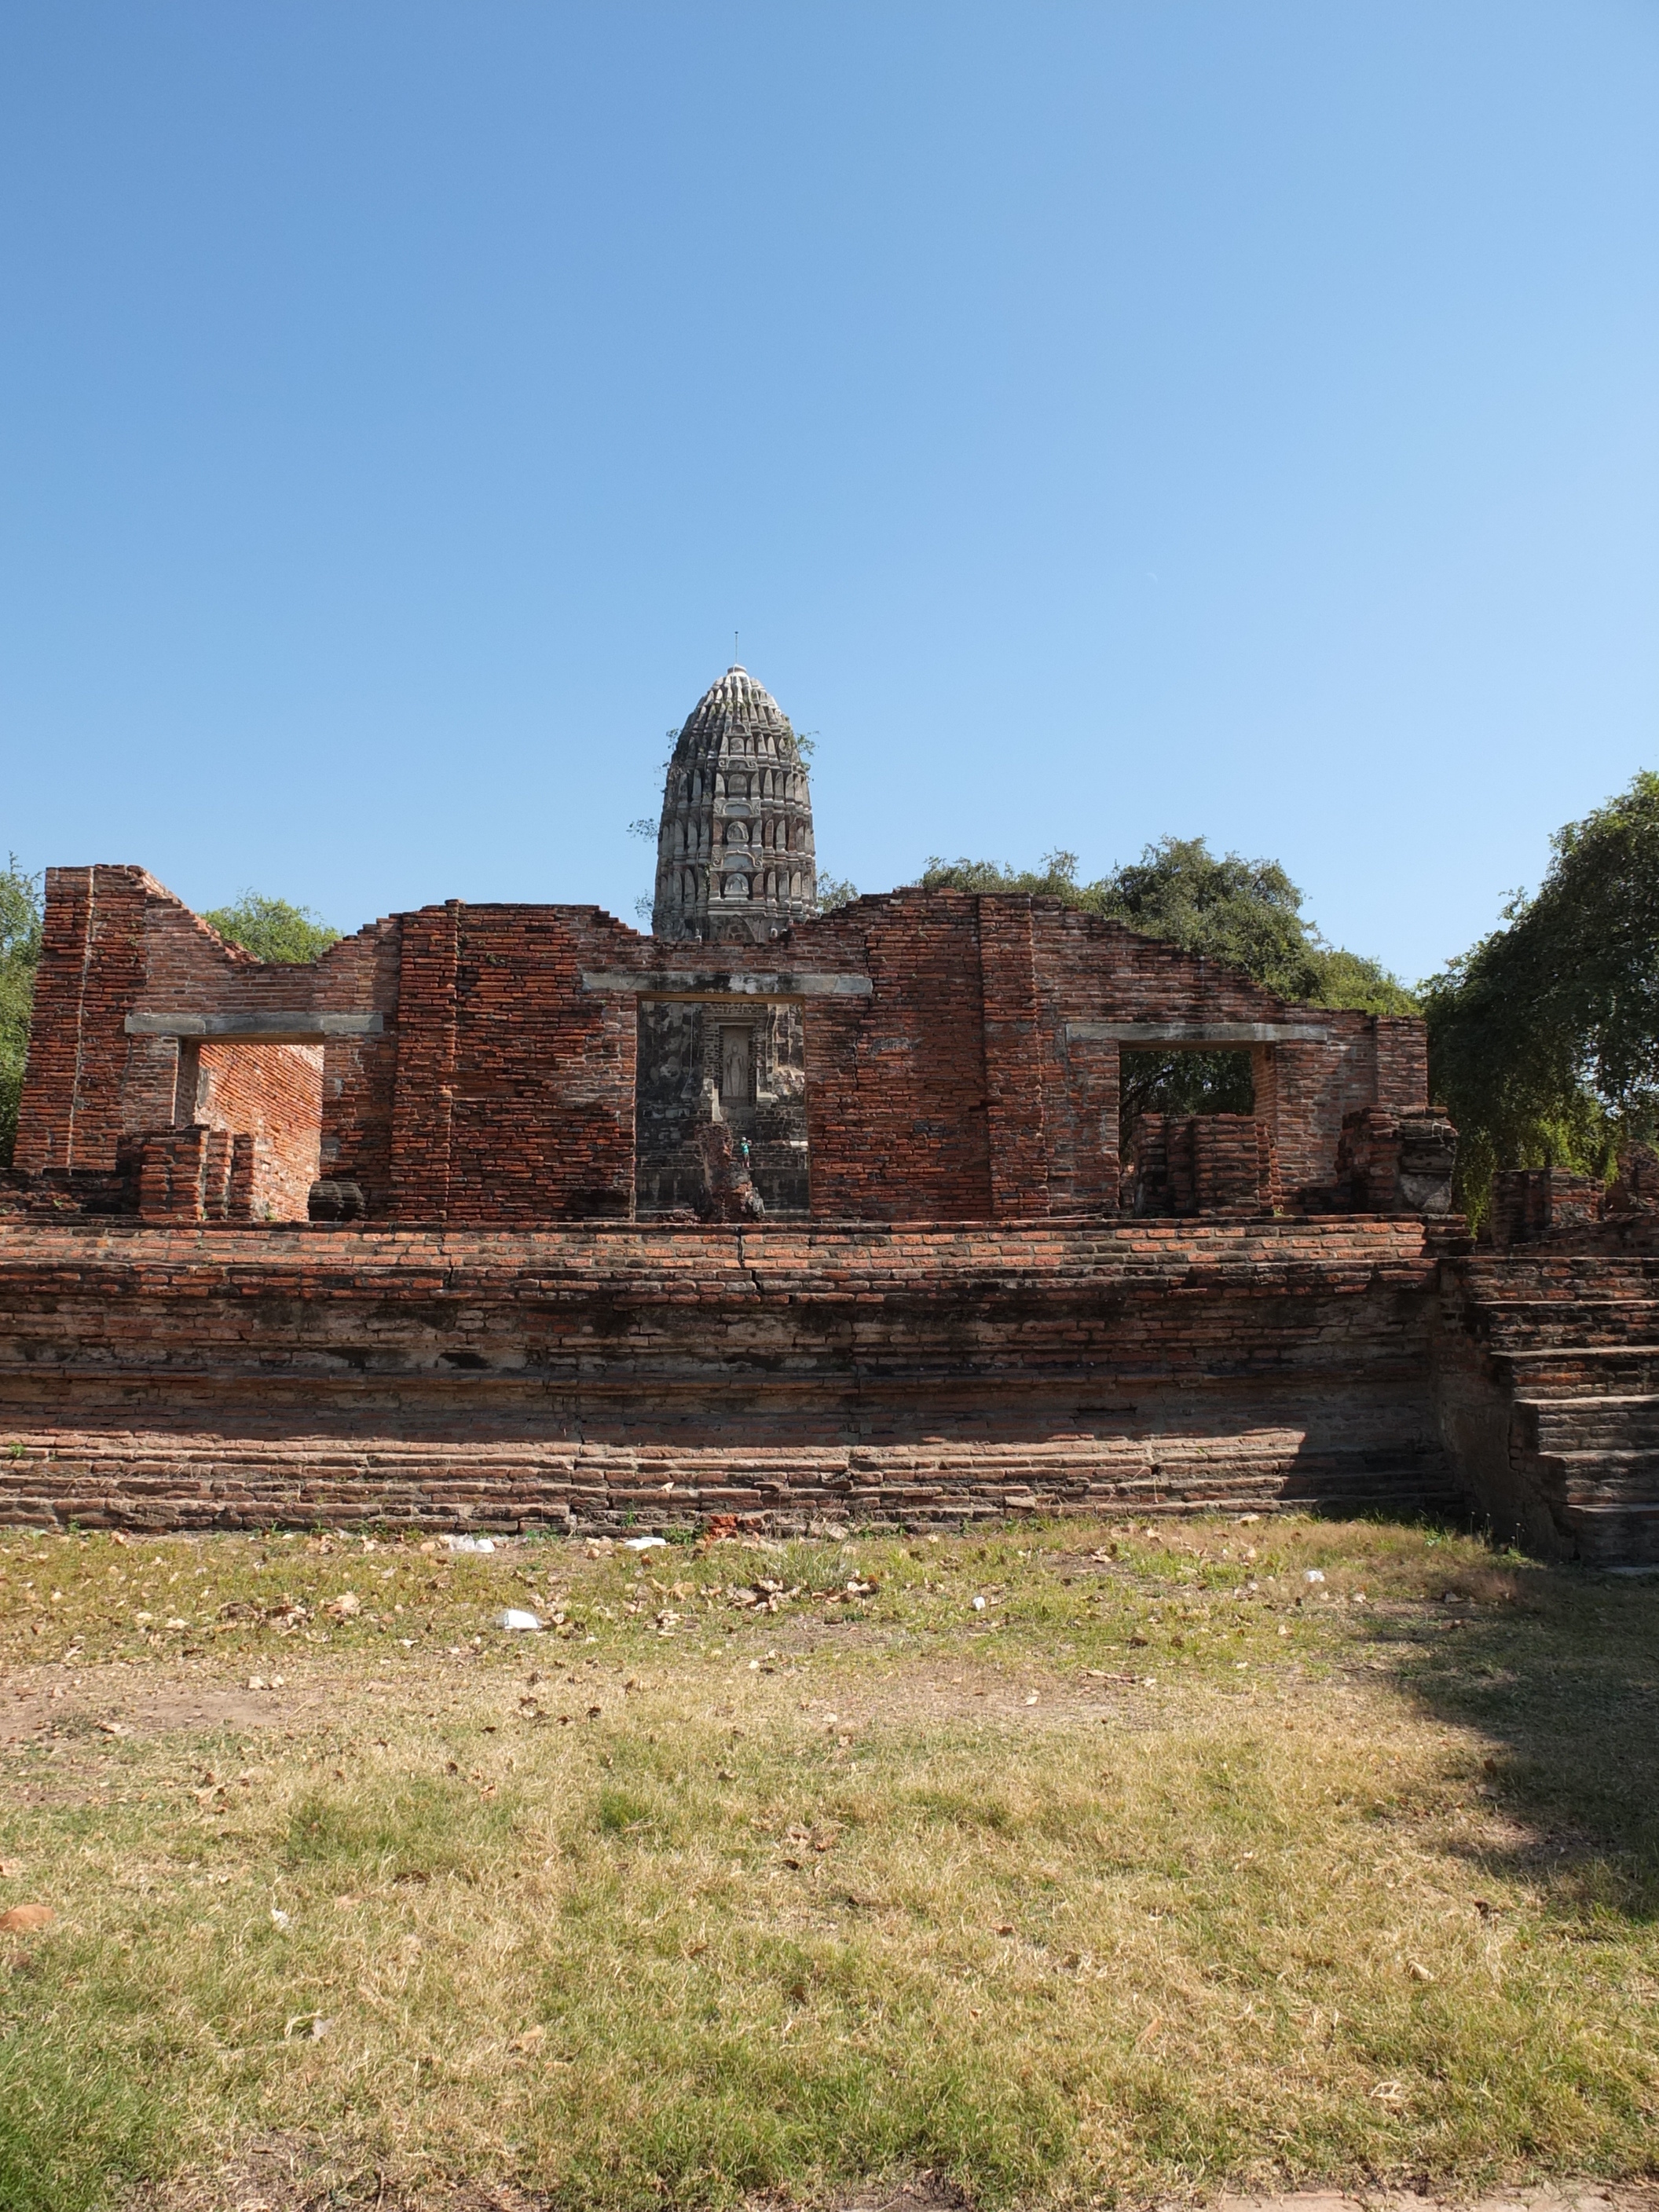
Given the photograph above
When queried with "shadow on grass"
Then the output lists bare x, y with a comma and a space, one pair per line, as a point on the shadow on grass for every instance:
1557, 1666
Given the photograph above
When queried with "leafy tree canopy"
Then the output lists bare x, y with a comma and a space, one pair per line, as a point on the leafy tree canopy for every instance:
271, 929
20, 956
1544, 1039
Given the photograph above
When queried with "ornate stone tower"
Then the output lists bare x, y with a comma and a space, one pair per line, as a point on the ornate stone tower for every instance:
734, 853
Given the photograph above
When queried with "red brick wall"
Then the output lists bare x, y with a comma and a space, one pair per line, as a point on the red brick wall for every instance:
273, 1094
502, 1092
1402, 1064
1015, 1060
424, 1095
1090, 969
896, 1105
161, 1377
514, 1086
91, 974
359, 1074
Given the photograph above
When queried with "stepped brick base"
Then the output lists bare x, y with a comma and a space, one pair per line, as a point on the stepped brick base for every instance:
593, 1376
1549, 1395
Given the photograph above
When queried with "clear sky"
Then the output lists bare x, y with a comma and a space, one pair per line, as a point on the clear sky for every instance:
1234, 418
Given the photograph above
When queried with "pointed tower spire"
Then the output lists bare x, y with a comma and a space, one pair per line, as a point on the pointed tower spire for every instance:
734, 852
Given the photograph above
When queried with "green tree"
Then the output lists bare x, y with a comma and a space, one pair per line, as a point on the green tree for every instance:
271, 929
20, 957
1543, 1038
1247, 913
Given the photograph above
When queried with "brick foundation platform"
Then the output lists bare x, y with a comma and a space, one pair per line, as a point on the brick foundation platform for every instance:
596, 1376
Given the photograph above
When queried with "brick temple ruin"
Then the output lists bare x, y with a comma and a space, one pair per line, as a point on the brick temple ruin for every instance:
501, 1216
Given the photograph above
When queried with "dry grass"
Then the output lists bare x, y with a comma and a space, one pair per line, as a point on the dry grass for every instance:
693, 1902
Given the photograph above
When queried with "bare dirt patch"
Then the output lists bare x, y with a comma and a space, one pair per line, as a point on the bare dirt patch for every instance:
107, 1698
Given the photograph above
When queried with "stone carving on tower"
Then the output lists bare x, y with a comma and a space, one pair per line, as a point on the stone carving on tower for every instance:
734, 852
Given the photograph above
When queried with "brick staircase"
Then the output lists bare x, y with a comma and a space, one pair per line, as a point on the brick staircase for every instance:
1550, 1392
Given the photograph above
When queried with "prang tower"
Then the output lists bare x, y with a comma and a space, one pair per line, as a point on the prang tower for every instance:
734, 852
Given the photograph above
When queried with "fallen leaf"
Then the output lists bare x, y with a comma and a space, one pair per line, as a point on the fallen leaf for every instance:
24, 1919
1420, 1973
9, 1869
529, 2040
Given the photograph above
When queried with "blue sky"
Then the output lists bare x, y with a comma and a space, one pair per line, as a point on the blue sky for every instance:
1231, 417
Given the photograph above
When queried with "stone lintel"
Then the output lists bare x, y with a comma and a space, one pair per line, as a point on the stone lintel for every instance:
269, 1025
1194, 1033
726, 983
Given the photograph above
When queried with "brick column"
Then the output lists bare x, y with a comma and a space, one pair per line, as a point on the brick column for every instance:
1014, 1064
1402, 1063
423, 1102
91, 974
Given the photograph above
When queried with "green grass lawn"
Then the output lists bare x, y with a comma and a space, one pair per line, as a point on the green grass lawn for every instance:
776, 1870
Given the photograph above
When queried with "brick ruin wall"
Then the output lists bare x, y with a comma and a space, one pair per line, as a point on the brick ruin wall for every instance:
594, 1378
967, 1322
473, 1075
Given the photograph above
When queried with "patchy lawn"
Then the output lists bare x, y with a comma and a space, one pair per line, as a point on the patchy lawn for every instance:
1068, 1863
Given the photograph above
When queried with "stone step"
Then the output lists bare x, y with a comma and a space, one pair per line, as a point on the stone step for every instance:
1479, 1297
1581, 1370
1543, 1323
1615, 1535
1608, 1422
194, 1482
1617, 1477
